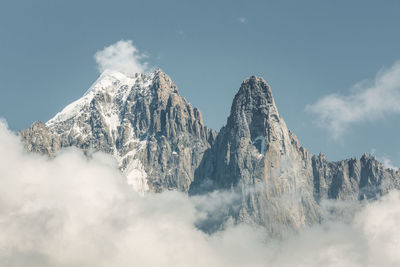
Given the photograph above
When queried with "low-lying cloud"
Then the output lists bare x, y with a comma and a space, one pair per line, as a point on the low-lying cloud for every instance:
366, 101
79, 212
122, 56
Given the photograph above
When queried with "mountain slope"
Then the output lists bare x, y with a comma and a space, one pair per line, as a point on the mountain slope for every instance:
261, 160
155, 135
279, 184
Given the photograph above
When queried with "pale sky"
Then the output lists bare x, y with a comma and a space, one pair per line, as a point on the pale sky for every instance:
331, 64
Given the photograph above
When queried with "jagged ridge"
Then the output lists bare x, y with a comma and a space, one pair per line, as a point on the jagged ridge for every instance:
155, 135
159, 141
279, 184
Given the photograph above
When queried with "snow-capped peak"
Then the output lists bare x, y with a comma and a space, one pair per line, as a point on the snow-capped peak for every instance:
103, 104
108, 78
114, 83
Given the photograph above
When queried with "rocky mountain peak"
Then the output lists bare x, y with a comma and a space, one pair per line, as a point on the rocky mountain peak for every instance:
259, 159
252, 108
255, 138
162, 84
161, 143
254, 90
157, 137
256, 84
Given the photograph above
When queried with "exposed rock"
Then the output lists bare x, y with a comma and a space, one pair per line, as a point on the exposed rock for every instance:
39, 139
279, 184
156, 136
161, 143
352, 179
256, 156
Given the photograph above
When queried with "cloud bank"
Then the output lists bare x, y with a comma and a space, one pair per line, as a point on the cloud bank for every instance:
367, 101
78, 212
122, 56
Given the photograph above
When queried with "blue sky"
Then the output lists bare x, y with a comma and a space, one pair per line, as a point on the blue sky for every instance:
306, 50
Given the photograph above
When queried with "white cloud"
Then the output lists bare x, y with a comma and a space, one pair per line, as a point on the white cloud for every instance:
385, 159
79, 212
365, 102
242, 20
387, 162
122, 56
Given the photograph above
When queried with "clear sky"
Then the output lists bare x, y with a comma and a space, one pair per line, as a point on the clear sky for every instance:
306, 50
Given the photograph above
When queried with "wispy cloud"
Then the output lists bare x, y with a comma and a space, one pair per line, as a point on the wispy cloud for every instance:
366, 101
122, 56
385, 159
388, 163
242, 20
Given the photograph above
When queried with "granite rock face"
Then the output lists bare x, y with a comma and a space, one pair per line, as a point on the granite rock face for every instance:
352, 179
278, 184
39, 139
156, 136
161, 143
258, 158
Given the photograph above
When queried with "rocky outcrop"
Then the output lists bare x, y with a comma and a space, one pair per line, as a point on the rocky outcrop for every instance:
352, 179
39, 139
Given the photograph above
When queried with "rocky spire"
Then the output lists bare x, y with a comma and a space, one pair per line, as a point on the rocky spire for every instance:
275, 181
252, 107
257, 158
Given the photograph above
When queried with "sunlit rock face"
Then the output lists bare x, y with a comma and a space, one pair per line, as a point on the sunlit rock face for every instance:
262, 173
278, 184
155, 135
256, 156
352, 179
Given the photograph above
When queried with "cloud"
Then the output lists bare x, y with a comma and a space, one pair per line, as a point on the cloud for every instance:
242, 20
122, 56
79, 212
387, 162
385, 159
366, 101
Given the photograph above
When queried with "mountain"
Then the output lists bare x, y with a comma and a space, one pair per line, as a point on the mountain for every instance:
261, 160
279, 184
161, 143
156, 136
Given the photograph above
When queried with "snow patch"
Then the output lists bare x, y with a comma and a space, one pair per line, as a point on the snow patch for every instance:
137, 177
110, 82
112, 120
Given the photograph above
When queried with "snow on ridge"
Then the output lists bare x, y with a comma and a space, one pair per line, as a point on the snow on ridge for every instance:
112, 90
107, 79
115, 84
135, 174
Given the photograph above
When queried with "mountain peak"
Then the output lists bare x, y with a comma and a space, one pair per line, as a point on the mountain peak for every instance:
253, 107
163, 82
255, 79
141, 120
161, 143
108, 78
256, 88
